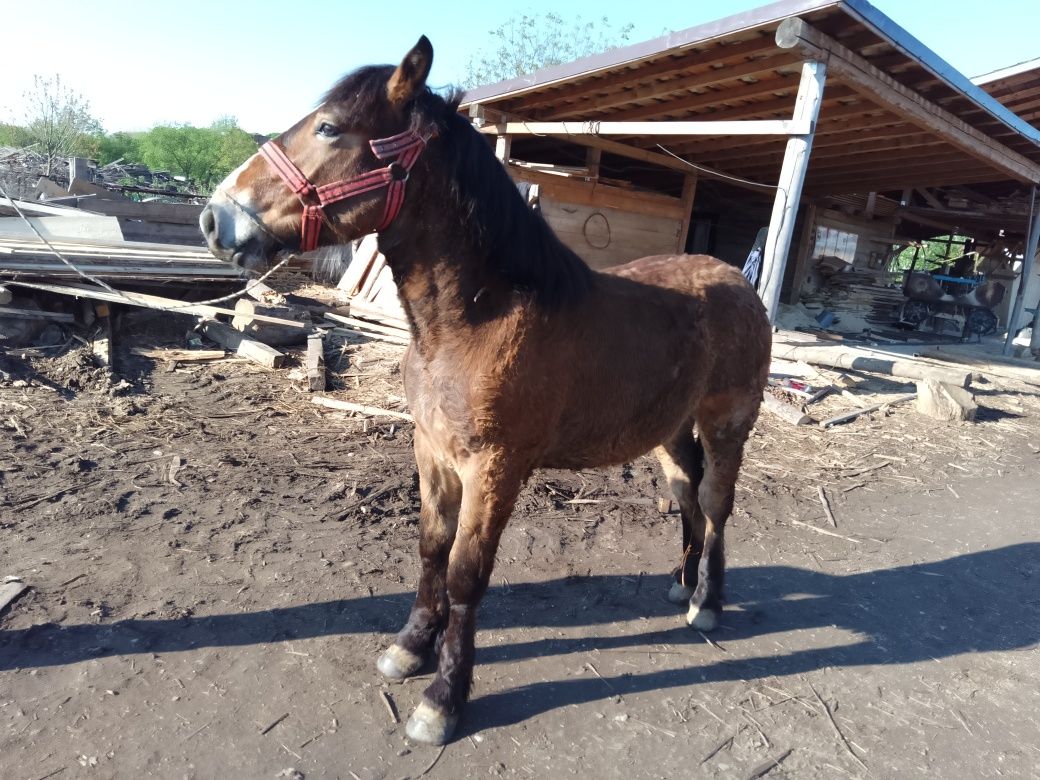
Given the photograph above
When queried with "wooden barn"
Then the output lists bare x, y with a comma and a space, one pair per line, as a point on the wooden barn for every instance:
818, 131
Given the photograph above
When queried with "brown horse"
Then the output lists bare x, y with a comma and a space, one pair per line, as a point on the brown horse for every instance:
522, 357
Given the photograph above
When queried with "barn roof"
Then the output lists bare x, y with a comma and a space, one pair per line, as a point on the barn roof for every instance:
734, 69
1016, 87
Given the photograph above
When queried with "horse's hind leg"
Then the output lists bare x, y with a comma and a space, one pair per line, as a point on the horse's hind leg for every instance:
724, 427
441, 493
682, 460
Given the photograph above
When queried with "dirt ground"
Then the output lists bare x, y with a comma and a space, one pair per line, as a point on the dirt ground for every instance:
215, 564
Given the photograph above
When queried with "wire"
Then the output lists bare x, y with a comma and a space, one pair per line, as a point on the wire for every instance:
713, 172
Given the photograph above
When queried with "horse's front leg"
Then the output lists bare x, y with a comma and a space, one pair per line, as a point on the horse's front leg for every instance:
440, 491
490, 488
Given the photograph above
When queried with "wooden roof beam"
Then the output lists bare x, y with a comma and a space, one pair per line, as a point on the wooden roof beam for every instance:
853, 70
657, 89
636, 73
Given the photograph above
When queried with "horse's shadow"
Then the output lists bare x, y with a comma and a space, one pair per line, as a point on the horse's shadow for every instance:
984, 601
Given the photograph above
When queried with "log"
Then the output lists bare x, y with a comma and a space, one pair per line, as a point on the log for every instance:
315, 363
239, 343
787, 412
371, 411
943, 402
861, 360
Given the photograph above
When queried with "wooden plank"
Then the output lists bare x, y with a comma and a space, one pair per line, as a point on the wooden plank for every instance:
315, 363
689, 192
32, 208
36, 314
599, 194
371, 411
230, 338
846, 416
796, 34
147, 301
177, 213
62, 228
666, 128
353, 322
786, 412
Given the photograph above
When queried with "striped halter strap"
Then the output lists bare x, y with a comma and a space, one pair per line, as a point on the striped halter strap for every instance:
405, 147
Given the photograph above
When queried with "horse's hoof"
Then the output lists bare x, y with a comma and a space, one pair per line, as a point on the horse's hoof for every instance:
702, 619
430, 726
680, 594
398, 663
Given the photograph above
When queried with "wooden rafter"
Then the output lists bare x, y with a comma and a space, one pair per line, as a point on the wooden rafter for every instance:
854, 71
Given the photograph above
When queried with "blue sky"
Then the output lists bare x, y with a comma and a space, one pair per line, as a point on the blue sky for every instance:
266, 63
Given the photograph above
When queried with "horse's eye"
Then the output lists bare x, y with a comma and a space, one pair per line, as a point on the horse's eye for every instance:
327, 130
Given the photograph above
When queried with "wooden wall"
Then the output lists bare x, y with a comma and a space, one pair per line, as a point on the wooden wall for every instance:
607, 225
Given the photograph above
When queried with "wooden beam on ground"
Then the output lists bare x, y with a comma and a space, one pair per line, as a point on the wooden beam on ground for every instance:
789, 187
371, 411
846, 416
148, 301
853, 70
863, 360
229, 338
784, 411
664, 128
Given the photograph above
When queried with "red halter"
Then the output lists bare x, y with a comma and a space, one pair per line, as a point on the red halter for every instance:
406, 147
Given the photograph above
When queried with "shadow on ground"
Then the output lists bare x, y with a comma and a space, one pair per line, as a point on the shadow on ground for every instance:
979, 602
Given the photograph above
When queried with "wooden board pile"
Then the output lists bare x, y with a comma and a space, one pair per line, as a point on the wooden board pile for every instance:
94, 244
859, 295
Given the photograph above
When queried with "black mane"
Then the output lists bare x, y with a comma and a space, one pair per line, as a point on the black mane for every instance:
493, 218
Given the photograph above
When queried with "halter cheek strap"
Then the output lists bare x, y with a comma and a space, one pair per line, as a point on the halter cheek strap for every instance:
406, 147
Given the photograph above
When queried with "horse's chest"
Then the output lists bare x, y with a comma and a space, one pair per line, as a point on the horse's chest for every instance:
439, 399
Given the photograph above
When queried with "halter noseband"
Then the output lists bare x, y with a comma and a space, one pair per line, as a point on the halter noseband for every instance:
406, 147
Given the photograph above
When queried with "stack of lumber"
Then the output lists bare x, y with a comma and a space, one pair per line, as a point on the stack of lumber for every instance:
859, 295
96, 245
369, 283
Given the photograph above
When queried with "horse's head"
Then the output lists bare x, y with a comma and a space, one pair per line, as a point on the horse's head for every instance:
334, 176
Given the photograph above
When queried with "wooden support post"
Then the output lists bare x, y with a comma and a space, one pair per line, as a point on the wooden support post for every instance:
78, 170
503, 146
316, 363
231, 339
1028, 256
689, 192
102, 344
789, 188
592, 158
804, 253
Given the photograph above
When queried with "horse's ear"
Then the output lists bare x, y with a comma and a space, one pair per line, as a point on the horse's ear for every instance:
410, 77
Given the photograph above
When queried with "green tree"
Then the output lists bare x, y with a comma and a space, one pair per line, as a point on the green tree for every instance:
119, 146
15, 136
182, 150
58, 120
526, 42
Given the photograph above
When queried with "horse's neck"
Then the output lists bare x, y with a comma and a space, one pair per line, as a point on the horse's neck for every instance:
445, 294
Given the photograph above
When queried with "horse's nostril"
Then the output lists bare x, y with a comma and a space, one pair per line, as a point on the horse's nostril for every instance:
207, 222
